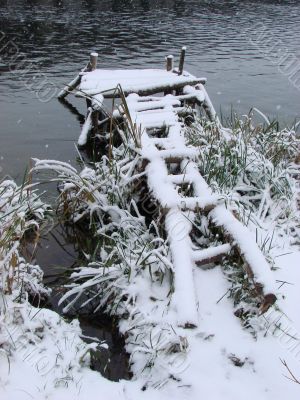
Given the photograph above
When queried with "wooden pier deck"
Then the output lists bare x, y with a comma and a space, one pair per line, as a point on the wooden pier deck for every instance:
157, 102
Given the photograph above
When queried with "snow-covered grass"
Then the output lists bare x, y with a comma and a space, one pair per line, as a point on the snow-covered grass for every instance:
21, 215
130, 275
40, 354
254, 167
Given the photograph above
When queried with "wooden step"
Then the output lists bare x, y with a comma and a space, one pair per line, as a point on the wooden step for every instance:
211, 254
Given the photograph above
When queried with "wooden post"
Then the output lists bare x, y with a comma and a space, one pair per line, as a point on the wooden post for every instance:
169, 67
169, 63
181, 61
93, 61
95, 122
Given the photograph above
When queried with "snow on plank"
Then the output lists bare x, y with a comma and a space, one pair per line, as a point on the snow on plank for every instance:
257, 268
247, 246
140, 81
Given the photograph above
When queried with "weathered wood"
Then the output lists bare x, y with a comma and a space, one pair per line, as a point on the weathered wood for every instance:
93, 61
169, 63
169, 67
143, 92
268, 299
181, 61
70, 87
95, 122
76, 81
207, 104
148, 114
211, 255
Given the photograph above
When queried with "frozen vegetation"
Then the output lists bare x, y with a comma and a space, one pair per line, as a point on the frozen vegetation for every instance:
236, 348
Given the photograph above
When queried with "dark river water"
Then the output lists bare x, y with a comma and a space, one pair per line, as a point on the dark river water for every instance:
56, 37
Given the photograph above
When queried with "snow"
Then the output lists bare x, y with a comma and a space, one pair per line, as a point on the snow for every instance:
102, 80
43, 356
178, 227
200, 255
52, 361
247, 245
82, 140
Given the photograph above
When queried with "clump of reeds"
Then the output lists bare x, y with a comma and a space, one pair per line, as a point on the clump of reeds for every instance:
22, 214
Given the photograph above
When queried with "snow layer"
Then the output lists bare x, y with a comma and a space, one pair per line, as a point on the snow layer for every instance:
131, 80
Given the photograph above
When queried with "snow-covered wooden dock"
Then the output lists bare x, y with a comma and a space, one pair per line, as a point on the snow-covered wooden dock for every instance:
155, 106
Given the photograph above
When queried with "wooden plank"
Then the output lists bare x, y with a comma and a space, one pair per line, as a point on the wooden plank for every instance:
210, 255
113, 93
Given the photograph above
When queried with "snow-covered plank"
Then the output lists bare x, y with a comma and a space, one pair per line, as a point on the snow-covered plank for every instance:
258, 269
171, 154
247, 246
140, 81
205, 203
210, 255
180, 179
154, 105
184, 297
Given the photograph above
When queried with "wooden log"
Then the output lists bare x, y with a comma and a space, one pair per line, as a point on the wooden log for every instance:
231, 230
210, 255
181, 61
142, 92
91, 65
70, 87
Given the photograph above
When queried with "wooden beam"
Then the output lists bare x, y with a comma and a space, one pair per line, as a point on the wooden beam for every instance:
211, 255
109, 94
91, 65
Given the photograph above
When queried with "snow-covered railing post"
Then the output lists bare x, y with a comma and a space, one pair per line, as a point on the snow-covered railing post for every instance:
169, 68
169, 63
93, 61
